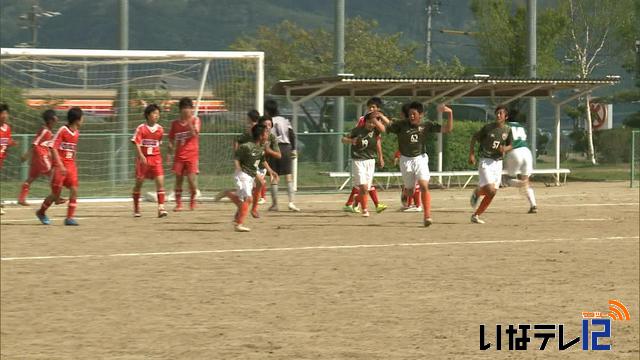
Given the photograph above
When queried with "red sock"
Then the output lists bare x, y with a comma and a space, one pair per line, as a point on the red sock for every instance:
426, 203
354, 192
374, 195
192, 200
484, 204
178, 197
71, 210
136, 202
45, 205
243, 209
256, 197
263, 192
24, 192
363, 200
160, 194
416, 196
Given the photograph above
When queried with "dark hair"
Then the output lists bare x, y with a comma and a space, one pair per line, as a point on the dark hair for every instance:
48, 115
416, 106
271, 108
264, 119
185, 102
74, 114
257, 131
501, 107
405, 110
4, 107
375, 101
149, 109
253, 115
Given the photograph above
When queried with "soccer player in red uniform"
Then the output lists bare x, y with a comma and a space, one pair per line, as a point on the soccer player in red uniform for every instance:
147, 139
65, 172
40, 153
184, 143
5, 137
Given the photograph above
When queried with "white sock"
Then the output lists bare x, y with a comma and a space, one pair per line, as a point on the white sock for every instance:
531, 196
290, 191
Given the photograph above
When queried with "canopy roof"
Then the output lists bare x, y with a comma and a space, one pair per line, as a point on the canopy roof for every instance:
476, 86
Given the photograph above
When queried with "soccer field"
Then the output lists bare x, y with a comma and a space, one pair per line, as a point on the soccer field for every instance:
320, 284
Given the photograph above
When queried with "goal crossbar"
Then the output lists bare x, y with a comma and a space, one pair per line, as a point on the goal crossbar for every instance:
131, 54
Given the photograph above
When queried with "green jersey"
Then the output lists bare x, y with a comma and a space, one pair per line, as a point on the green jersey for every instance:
519, 135
249, 155
491, 137
412, 138
366, 141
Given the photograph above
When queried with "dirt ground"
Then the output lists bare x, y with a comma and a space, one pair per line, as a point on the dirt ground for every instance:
320, 284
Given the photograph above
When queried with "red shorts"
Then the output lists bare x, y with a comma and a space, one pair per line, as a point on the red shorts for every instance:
69, 180
40, 166
182, 167
152, 170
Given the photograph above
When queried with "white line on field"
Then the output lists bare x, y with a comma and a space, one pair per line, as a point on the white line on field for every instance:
327, 247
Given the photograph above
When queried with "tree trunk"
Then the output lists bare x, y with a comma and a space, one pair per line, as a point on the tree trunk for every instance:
591, 154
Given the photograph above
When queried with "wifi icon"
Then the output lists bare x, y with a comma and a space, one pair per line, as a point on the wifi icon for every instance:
618, 310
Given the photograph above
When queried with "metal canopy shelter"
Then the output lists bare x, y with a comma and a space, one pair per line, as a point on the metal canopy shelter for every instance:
443, 91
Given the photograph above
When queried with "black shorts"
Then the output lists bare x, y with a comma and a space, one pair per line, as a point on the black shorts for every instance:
283, 165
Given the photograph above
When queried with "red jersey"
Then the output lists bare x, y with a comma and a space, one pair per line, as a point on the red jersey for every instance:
149, 138
65, 143
43, 142
5, 140
186, 143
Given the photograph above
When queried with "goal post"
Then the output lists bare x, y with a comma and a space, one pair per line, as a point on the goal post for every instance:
634, 173
224, 85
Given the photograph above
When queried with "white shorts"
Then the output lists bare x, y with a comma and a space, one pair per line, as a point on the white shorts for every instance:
362, 172
489, 172
519, 162
414, 169
244, 185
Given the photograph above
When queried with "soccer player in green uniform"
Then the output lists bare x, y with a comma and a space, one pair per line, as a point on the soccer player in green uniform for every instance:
414, 161
247, 158
364, 144
519, 163
495, 140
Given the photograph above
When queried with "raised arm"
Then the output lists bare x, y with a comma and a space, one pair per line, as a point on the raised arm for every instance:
448, 125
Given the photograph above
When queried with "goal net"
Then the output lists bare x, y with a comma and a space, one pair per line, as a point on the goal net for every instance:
112, 88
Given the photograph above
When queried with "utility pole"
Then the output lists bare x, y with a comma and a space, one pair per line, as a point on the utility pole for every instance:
339, 101
30, 20
123, 111
533, 64
431, 8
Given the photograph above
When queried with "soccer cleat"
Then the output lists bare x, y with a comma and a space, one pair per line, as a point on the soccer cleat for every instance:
273, 208
261, 201
70, 222
533, 210
60, 201
365, 213
43, 218
412, 208
255, 214
292, 207
137, 214
347, 208
427, 222
241, 228
162, 213
476, 219
380, 208
23, 202
474, 200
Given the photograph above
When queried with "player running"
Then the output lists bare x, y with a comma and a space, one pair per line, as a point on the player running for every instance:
414, 161
147, 139
364, 142
495, 140
65, 173
184, 143
519, 163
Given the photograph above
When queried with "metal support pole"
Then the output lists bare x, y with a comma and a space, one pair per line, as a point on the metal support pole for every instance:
24, 147
440, 146
112, 160
557, 118
124, 90
533, 121
260, 84
428, 41
203, 81
339, 106
294, 169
